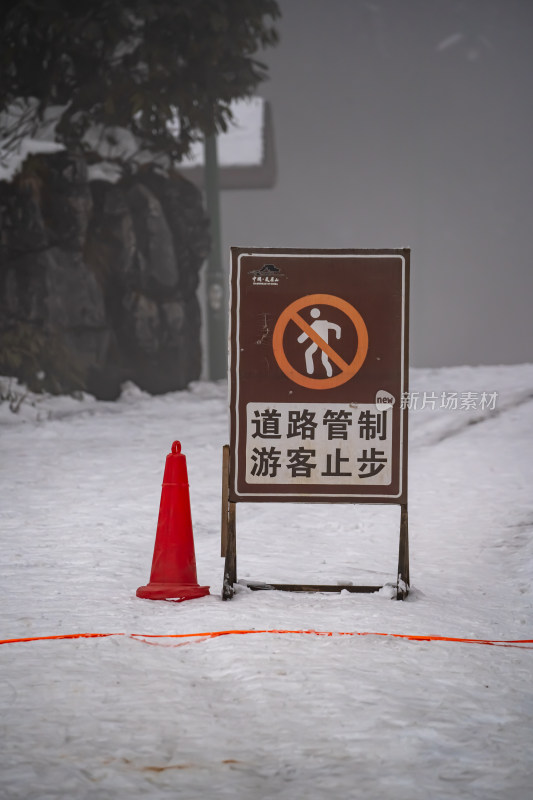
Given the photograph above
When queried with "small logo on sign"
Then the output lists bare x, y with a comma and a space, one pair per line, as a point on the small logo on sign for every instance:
268, 275
384, 400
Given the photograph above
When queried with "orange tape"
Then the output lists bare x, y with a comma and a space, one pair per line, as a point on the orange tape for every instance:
60, 636
204, 636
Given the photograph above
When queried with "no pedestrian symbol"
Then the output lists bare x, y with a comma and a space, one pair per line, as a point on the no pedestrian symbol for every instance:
315, 339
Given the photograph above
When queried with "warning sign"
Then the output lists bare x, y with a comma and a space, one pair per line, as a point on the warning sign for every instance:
318, 365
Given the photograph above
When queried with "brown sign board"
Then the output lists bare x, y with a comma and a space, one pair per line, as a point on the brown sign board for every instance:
318, 369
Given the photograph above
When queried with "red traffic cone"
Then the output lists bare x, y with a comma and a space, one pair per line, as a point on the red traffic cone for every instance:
173, 573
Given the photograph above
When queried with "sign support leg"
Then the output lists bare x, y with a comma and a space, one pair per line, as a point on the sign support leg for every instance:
403, 556
230, 565
228, 537
225, 501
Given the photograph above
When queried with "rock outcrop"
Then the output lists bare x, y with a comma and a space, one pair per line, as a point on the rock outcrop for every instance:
98, 280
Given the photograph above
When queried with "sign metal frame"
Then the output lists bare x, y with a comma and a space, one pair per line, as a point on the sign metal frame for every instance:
275, 293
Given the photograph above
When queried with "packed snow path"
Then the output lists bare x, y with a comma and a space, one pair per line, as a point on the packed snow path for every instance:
285, 716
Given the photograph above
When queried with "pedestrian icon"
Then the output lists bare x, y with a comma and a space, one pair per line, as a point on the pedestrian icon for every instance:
318, 334
322, 327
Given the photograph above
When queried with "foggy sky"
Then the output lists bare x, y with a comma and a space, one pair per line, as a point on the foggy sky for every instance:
409, 123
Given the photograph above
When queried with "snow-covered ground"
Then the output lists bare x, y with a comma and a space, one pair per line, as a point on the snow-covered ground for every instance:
268, 715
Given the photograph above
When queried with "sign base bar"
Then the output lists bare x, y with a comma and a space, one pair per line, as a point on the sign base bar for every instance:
308, 587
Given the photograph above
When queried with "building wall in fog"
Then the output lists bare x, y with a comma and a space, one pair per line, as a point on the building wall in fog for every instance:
409, 123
